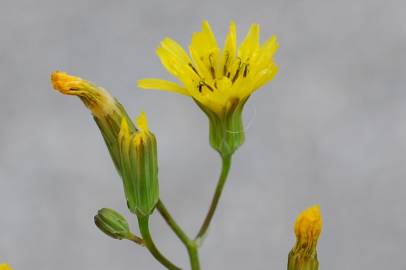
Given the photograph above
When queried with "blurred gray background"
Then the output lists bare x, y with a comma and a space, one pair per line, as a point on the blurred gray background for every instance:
330, 129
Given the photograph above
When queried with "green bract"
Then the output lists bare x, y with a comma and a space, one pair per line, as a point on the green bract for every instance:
139, 167
226, 132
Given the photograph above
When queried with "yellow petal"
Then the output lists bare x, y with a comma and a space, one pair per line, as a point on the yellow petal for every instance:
264, 76
270, 46
175, 49
250, 44
205, 52
124, 130
230, 48
169, 61
165, 85
210, 37
142, 122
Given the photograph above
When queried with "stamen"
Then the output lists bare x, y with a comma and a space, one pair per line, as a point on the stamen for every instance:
245, 70
203, 83
208, 86
237, 72
193, 68
225, 63
213, 72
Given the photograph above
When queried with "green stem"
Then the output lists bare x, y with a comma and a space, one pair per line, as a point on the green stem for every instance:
190, 245
172, 223
136, 240
143, 223
193, 256
226, 164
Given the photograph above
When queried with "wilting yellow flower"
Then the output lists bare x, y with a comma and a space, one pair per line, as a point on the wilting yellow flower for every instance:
97, 99
107, 111
5, 266
308, 227
220, 80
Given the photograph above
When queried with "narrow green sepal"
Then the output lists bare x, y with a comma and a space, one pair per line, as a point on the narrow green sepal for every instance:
226, 130
113, 224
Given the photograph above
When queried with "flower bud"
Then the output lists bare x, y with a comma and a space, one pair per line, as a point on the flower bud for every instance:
308, 227
226, 129
112, 223
138, 156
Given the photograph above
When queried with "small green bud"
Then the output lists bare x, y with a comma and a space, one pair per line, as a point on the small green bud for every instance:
138, 152
226, 129
113, 224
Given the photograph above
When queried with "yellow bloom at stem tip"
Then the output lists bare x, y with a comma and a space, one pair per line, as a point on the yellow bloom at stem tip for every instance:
308, 226
220, 80
217, 77
5, 266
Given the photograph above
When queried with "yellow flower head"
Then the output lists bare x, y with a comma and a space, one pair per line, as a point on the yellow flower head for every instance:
5, 266
217, 78
308, 227
97, 99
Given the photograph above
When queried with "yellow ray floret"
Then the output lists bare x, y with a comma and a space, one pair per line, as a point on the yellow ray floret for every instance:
5, 266
216, 76
308, 226
144, 133
142, 122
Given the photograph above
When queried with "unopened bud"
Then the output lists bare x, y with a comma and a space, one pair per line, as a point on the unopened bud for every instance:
138, 152
308, 227
112, 223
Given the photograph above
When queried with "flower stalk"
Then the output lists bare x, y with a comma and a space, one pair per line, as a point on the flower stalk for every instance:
226, 165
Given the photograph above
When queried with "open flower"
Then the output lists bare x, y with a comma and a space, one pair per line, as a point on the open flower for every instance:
220, 80
308, 227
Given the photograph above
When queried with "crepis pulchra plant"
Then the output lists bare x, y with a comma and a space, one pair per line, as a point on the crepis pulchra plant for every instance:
220, 81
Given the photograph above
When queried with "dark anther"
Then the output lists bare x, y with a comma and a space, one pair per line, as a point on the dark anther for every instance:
238, 70
203, 83
225, 63
213, 72
208, 86
245, 70
193, 68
